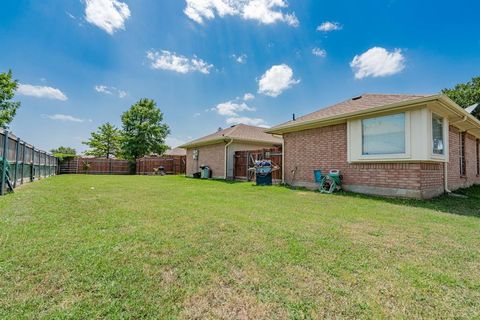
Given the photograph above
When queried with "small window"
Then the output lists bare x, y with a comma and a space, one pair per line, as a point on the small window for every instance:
463, 165
384, 135
437, 135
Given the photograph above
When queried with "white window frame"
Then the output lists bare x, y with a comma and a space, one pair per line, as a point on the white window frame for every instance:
389, 156
444, 137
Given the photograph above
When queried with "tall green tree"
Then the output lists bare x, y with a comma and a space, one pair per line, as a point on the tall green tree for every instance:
105, 142
143, 130
64, 150
8, 108
466, 94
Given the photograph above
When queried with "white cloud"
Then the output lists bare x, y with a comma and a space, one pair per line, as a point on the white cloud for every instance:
319, 52
64, 118
122, 94
167, 60
41, 92
328, 26
248, 97
110, 90
102, 89
246, 120
263, 11
242, 59
109, 15
231, 108
276, 80
378, 62
70, 15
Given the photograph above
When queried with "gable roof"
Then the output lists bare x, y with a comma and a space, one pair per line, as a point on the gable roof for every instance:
239, 132
353, 106
176, 152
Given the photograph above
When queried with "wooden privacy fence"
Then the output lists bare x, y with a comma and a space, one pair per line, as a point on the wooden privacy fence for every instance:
25, 161
80, 165
144, 166
245, 159
171, 164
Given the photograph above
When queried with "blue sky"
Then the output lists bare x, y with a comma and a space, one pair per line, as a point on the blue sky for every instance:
82, 63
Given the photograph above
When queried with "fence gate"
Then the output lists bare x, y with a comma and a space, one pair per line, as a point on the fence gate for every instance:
246, 159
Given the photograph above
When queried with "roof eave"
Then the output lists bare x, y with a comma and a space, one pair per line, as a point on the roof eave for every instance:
225, 138
194, 144
311, 124
461, 112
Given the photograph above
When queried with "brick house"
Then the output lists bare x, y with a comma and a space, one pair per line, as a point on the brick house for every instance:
217, 149
416, 146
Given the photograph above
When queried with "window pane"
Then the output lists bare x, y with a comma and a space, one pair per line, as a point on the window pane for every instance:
384, 135
437, 134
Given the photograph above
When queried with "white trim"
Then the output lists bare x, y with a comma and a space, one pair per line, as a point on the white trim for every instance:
405, 155
360, 157
435, 156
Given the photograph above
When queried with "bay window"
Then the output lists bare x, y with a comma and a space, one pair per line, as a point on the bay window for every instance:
384, 135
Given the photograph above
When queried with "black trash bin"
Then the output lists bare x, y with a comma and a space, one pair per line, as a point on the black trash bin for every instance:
263, 173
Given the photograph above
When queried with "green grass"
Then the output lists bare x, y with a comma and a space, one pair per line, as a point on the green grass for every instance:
169, 247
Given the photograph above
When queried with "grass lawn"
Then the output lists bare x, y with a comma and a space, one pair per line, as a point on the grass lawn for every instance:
169, 247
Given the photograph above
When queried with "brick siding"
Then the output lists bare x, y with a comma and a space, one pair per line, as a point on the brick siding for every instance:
326, 148
455, 181
212, 156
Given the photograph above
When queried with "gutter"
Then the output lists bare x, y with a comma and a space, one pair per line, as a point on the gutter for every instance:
226, 156
440, 98
222, 139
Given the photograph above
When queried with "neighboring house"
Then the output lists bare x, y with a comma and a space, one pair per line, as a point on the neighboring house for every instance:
415, 146
176, 152
217, 150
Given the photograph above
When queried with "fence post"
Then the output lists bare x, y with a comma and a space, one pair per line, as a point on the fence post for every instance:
4, 169
23, 161
42, 167
17, 150
32, 169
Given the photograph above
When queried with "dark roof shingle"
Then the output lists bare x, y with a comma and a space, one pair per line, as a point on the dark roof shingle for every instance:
363, 102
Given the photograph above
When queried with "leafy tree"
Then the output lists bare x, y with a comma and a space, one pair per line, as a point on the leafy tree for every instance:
105, 142
64, 153
466, 94
143, 130
8, 108
64, 150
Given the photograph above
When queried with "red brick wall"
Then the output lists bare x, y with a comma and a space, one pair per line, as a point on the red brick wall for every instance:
326, 148
455, 181
212, 156
431, 179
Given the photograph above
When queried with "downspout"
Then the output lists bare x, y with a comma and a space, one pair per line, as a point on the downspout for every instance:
226, 156
445, 177
464, 119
